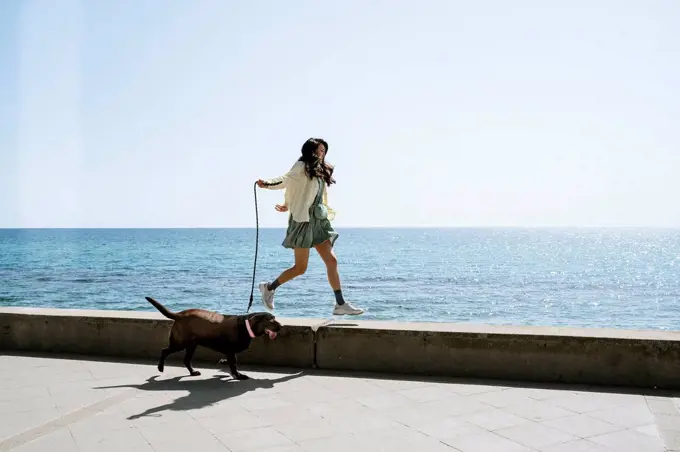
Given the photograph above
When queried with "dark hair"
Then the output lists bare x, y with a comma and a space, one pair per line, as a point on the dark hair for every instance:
315, 166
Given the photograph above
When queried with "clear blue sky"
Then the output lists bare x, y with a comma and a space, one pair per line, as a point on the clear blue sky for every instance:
158, 113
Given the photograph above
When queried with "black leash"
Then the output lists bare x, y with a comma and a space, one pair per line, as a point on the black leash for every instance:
257, 242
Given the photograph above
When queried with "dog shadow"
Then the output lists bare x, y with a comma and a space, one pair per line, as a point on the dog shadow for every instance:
202, 392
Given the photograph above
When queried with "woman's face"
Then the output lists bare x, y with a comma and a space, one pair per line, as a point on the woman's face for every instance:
320, 151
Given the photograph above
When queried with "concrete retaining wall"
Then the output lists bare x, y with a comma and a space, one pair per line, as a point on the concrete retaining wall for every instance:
136, 335
567, 355
541, 354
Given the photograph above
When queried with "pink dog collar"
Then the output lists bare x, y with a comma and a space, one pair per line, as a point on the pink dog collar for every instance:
250, 330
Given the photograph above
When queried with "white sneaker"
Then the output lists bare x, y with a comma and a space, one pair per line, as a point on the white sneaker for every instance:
267, 296
347, 309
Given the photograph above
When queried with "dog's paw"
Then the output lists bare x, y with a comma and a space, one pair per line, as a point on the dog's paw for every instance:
161, 368
195, 373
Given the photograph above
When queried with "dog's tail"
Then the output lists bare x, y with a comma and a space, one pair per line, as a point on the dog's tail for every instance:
163, 310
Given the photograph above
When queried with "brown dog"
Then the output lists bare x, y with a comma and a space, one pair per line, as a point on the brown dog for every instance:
228, 334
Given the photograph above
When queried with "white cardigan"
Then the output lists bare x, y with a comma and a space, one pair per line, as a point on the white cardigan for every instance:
300, 192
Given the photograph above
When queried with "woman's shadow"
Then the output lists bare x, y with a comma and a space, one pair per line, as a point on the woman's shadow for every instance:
202, 392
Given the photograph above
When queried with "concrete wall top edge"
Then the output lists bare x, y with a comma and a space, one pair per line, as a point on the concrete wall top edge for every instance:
133, 315
368, 325
482, 329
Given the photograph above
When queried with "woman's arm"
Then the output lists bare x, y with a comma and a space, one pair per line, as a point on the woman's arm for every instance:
279, 183
331, 212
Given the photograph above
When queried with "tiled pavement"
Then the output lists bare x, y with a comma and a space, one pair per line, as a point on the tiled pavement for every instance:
64, 405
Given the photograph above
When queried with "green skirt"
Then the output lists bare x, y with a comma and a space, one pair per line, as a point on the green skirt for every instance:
309, 234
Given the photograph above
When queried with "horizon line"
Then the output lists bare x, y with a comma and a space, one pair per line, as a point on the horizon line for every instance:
340, 227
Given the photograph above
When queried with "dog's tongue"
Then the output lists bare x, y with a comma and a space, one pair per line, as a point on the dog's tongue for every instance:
271, 334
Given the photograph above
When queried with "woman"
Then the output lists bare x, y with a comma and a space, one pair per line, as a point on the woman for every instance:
309, 223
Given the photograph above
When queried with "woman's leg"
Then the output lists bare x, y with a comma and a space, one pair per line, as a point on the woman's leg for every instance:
299, 268
327, 254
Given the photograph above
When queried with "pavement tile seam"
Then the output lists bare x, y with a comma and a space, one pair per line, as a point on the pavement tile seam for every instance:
669, 429
60, 422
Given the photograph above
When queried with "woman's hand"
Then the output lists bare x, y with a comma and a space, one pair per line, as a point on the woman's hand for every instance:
280, 208
260, 183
